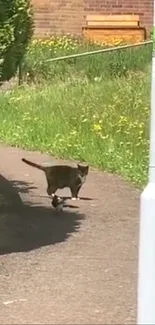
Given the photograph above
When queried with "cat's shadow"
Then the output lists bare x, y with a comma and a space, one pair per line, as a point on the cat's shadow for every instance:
69, 198
73, 206
24, 227
80, 198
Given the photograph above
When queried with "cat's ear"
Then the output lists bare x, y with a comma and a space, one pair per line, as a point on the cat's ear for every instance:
84, 168
79, 166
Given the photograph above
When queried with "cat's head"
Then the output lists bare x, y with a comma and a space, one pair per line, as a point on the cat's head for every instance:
83, 169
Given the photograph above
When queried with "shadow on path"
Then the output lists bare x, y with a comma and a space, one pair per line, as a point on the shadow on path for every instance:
24, 227
24, 187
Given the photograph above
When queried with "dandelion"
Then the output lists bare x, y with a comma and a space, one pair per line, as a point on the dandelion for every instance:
97, 127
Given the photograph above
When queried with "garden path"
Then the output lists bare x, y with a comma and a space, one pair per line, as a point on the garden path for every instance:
78, 267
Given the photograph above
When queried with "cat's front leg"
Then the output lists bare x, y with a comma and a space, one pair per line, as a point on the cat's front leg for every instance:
75, 192
51, 191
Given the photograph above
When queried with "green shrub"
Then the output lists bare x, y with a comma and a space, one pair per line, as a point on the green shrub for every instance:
16, 27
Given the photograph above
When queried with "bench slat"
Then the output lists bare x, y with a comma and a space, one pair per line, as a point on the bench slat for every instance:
112, 23
116, 18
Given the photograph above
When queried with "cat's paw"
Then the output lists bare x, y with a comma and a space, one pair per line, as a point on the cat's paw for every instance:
73, 198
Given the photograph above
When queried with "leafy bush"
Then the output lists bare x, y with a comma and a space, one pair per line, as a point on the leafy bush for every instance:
16, 27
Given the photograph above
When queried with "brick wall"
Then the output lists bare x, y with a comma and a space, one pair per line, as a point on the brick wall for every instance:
58, 16
68, 16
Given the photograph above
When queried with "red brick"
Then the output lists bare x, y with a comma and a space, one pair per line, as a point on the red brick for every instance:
68, 16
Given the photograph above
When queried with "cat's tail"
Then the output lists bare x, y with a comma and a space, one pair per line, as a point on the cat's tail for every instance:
30, 163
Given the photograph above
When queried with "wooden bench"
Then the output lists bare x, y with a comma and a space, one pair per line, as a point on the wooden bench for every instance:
112, 29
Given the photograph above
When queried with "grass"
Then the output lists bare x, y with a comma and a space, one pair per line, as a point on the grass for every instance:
93, 109
101, 121
36, 68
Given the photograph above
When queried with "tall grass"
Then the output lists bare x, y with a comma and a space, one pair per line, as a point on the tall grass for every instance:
93, 109
36, 68
101, 121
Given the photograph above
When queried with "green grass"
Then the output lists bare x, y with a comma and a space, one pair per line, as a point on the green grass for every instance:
153, 37
117, 63
93, 109
101, 121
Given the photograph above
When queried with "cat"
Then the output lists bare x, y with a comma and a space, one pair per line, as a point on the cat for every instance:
58, 203
61, 176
